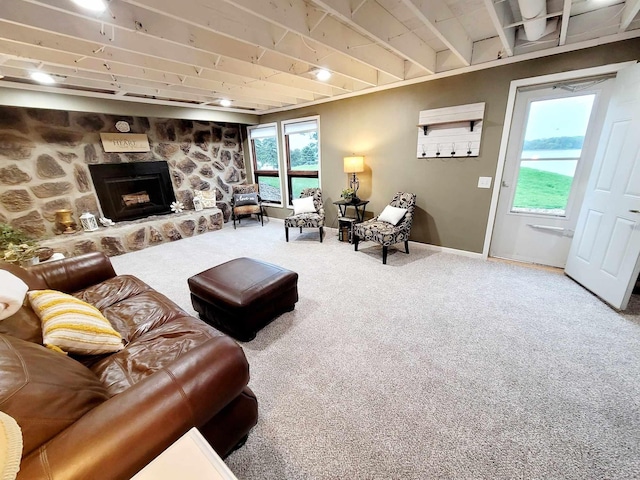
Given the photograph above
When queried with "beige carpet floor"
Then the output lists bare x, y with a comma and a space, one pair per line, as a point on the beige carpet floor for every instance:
433, 366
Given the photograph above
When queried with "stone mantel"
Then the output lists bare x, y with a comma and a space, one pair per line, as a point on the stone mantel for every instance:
137, 234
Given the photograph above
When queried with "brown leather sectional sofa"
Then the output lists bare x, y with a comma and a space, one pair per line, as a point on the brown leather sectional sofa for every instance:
107, 416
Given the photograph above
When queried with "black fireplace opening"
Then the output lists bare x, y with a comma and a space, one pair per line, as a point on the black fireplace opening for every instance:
128, 191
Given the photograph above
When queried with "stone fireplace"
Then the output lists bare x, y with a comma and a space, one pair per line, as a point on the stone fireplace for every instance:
128, 191
45, 162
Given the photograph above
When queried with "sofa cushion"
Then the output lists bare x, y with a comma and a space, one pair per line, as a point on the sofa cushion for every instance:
43, 390
71, 325
150, 352
112, 291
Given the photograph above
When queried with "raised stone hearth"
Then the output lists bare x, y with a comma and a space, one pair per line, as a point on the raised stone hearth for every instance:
44, 166
138, 234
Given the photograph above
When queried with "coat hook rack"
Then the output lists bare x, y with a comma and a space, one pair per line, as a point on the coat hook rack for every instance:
455, 126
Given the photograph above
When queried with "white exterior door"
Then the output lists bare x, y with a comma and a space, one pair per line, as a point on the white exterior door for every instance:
551, 147
604, 255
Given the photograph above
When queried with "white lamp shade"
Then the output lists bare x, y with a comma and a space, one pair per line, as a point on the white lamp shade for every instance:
353, 164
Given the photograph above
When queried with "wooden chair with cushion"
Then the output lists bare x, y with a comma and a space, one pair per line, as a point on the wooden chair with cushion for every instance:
308, 212
392, 226
245, 202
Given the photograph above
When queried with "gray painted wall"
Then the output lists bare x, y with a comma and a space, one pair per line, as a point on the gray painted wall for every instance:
451, 210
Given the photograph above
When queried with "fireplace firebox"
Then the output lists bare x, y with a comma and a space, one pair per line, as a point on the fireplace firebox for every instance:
128, 191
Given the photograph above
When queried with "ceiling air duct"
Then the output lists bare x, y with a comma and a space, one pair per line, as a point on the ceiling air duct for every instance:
534, 17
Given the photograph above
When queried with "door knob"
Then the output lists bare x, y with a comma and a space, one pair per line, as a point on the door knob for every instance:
504, 184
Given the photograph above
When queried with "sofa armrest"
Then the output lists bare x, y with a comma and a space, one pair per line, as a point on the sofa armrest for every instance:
76, 273
118, 438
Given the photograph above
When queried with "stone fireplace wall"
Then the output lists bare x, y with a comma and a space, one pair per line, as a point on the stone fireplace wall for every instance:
44, 156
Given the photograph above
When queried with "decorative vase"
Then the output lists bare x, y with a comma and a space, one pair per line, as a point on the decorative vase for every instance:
64, 218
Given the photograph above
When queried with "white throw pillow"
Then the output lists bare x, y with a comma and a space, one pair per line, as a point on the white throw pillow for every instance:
303, 205
392, 215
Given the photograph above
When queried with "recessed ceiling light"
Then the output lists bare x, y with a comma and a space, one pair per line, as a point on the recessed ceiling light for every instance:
323, 75
42, 77
93, 5
225, 103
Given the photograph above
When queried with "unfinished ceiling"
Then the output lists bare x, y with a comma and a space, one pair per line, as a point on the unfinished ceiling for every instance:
264, 55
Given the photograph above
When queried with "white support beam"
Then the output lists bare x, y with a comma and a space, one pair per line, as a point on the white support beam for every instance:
501, 15
631, 9
63, 64
373, 21
234, 23
564, 26
315, 25
449, 31
18, 69
164, 38
185, 75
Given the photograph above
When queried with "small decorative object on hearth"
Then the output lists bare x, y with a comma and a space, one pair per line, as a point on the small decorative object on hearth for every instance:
64, 221
106, 222
197, 204
177, 207
207, 198
88, 221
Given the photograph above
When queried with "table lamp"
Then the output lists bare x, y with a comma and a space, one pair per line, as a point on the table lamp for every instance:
354, 165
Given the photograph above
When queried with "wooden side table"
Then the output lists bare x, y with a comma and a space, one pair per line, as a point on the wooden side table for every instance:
359, 207
346, 222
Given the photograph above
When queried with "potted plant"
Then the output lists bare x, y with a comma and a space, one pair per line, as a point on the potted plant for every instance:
16, 246
348, 194
24, 254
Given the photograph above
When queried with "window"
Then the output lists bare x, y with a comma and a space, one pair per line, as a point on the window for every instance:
301, 138
266, 163
552, 147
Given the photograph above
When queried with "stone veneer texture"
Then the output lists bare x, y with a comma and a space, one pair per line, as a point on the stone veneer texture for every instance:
44, 156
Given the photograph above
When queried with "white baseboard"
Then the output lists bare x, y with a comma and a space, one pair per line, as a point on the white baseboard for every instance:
453, 251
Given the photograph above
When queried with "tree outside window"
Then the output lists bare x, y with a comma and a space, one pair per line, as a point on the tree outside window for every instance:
266, 162
303, 159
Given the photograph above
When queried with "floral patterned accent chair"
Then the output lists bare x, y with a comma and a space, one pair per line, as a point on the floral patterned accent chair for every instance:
246, 201
382, 229
307, 214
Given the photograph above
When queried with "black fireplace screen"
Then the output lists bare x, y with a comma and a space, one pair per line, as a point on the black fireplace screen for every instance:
128, 191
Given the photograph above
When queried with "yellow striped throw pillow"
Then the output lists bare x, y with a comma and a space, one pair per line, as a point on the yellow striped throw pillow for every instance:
71, 325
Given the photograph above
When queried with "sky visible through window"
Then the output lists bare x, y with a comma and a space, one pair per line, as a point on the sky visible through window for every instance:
555, 130
561, 117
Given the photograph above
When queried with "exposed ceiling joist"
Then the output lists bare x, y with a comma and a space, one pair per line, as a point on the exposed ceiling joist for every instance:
234, 23
375, 22
501, 15
264, 55
449, 31
313, 24
564, 26
631, 9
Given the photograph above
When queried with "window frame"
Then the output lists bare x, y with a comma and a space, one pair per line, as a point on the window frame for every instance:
289, 173
266, 173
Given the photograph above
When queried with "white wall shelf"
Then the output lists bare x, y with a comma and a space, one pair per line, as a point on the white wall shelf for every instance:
450, 131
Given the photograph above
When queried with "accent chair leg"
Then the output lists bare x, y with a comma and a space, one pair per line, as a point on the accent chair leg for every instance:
261, 217
406, 246
384, 254
300, 229
286, 233
321, 234
356, 239
234, 221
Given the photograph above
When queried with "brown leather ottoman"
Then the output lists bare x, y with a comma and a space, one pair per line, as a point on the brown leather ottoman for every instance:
243, 295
